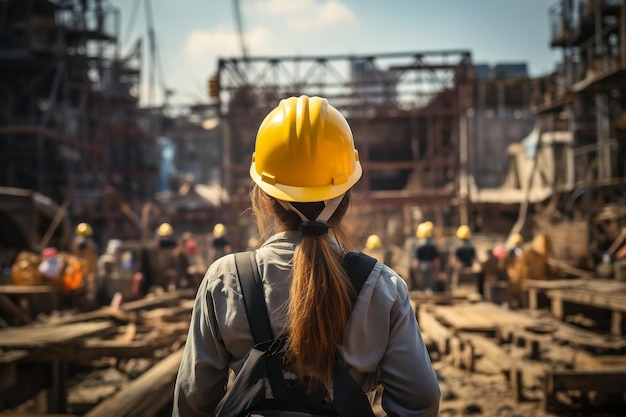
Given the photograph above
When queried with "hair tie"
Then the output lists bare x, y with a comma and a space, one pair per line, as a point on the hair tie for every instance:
314, 228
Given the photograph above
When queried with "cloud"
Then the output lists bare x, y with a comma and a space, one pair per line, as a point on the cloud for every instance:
307, 14
222, 42
269, 29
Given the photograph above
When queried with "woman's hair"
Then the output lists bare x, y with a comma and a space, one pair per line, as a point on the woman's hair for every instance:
321, 296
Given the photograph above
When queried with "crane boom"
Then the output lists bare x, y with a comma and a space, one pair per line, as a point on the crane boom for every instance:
240, 30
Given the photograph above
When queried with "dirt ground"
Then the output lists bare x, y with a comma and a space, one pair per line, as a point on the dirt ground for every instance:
480, 394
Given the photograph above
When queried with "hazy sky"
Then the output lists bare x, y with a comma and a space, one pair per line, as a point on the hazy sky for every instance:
192, 34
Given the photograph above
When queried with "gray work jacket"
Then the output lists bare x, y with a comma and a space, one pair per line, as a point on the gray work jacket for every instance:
383, 343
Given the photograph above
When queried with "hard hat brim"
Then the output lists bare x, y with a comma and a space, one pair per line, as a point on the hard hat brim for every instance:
309, 194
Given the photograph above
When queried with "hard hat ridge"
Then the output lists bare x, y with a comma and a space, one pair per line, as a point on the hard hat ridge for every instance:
304, 152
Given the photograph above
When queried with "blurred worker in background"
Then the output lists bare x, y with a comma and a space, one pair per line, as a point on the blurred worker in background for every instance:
516, 250
531, 262
84, 248
426, 262
168, 269
462, 258
191, 260
374, 248
220, 245
304, 166
107, 265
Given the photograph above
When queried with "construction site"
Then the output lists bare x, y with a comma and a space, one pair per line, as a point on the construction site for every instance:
441, 138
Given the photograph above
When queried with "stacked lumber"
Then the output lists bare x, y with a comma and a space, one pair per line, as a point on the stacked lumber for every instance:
112, 361
530, 349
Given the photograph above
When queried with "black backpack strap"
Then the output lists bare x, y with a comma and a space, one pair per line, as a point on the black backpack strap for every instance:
358, 266
253, 296
349, 397
258, 319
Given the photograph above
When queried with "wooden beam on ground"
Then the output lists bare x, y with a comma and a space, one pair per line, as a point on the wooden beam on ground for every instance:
45, 336
485, 348
101, 313
584, 381
434, 330
26, 414
8, 367
146, 395
480, 317
96, 348
10, 307
160, 300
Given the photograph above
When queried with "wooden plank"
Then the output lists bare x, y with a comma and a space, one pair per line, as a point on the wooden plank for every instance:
26, 289
40, 336
171, 313
480, 317
534, 287
580, 337
96, 348
148, 303
12, 309
610, 301
609, 380
27, 414
572, 357
12, 356
434, 330
552, 283
8, 374
464, 318
600, 297
102, 313
484, 347
150, 391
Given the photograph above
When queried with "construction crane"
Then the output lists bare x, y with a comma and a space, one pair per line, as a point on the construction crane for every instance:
240, 29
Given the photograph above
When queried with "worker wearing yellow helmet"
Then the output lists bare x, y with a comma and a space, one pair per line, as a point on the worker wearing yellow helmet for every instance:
165, 231
220, 245
373, 242
516, 249
169, 269
426, 260
303, 167
85, 251
463, 257
424, 230
84, 229
374, 248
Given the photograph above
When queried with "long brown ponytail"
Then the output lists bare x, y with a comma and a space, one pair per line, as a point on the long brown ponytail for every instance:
321, 296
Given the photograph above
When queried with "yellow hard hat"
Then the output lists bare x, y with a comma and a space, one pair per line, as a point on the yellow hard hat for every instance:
165, 230
463, 232
84, 229
373, 242
424, 230
219, 230
305, 152
517, 239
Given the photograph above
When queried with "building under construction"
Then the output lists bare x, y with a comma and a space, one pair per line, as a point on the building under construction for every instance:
582, 138
440, 138
429, 126
70, 127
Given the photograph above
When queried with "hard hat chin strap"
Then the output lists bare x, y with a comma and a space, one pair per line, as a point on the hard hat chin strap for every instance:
329, 208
